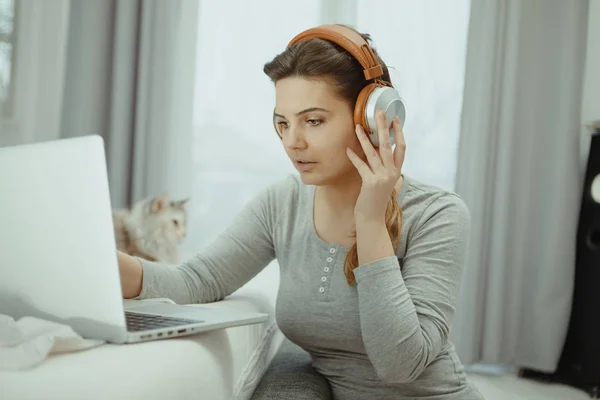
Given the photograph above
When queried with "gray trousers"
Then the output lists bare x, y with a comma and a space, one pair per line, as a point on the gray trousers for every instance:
290, 376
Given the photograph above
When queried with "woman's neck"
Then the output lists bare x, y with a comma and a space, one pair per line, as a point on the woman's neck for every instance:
340, 198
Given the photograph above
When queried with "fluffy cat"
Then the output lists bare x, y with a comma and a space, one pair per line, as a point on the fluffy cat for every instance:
152, 229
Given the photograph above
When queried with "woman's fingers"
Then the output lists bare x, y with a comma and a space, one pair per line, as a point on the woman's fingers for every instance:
385, 144
400, 150
383, 162
363, 168
370, 152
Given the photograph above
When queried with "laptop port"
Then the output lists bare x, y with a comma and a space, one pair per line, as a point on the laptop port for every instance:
181, 331
159, 334
144, 337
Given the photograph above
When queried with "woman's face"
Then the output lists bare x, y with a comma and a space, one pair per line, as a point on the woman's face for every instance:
315, 127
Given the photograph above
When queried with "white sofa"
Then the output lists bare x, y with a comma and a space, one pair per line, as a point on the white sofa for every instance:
219, 365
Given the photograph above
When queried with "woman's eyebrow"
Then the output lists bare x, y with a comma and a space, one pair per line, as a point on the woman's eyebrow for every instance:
310, 109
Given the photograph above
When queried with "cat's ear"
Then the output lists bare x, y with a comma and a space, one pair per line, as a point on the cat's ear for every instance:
160, 203
180, 203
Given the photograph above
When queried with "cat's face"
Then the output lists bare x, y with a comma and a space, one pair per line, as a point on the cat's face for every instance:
158, 220
168, 216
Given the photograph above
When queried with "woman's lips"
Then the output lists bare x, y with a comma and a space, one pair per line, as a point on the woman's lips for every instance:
305, 166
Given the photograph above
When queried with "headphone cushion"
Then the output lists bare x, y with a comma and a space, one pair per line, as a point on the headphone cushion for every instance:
360, 107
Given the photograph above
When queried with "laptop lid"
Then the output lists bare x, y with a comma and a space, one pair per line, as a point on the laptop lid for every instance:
58, 256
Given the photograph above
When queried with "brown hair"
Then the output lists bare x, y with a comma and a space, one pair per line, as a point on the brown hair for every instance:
322, 59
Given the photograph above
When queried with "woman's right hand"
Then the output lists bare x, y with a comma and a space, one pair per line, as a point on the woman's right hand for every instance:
131, 272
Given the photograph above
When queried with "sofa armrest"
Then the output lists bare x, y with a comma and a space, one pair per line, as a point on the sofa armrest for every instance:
291, 376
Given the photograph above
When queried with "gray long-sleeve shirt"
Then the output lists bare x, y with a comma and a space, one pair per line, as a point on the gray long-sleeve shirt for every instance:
384, 338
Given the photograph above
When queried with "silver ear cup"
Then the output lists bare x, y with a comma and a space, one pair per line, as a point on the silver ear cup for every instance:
387, 99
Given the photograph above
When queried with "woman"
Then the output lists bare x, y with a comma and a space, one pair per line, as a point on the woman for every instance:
370, 260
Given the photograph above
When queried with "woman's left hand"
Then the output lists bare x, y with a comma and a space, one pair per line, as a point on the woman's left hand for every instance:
381, 170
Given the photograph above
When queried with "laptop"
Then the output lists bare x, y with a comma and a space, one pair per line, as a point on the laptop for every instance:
58, 256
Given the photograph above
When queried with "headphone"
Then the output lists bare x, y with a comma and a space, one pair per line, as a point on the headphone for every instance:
376, 96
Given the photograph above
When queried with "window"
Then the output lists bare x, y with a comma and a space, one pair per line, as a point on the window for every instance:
424, 44
236, 151
7, 50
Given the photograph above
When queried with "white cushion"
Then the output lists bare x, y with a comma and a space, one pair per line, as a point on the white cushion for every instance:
223, 364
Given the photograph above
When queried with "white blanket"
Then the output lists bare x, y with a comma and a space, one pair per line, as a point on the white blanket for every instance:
27, 342
219, 365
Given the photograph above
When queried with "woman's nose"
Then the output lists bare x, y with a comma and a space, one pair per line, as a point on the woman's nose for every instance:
294, 138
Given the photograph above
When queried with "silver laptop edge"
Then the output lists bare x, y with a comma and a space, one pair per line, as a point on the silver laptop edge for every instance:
57, 247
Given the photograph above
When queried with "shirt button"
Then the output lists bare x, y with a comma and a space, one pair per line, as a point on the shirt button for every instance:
323, 279
321, 289
326, 269
329, 259
332, 250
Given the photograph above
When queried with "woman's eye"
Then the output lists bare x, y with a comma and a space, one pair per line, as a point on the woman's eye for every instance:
282, 125
315, 122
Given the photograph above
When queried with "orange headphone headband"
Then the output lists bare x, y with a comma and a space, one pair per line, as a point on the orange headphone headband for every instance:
375, 96
350, 40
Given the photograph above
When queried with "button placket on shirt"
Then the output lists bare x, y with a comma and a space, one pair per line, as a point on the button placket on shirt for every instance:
328, 266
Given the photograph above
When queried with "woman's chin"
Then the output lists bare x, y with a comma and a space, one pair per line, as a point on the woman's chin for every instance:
309, 178
318, 178
313, 178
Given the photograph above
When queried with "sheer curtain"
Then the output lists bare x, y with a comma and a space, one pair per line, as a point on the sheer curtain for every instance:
7, 50
236, 152
123, 69
518, 171
33, 47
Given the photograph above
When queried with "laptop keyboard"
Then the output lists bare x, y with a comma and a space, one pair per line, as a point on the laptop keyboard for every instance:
142, 322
